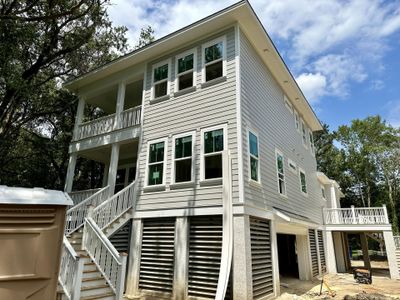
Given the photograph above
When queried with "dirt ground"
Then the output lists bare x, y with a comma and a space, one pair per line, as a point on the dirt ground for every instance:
343, 285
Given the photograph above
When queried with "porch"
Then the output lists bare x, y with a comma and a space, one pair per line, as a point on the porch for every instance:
356, 216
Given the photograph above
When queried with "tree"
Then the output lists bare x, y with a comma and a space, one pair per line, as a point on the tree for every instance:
146, 37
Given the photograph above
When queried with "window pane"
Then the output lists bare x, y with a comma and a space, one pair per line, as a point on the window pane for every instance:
185, 81
254, 168
161, 73
282, 188
160, 89
213, 52
253, 144
214, 141
183, 147
155, 174
183, 170
279, 163
214, 71
185, 63
156, 152
213, 166
303, 182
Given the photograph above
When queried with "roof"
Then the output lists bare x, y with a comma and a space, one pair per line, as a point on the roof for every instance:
241, 13
17, 195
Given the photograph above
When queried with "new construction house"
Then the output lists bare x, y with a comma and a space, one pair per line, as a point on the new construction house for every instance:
210, 188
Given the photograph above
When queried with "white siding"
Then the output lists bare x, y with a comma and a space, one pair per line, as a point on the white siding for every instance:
264, 110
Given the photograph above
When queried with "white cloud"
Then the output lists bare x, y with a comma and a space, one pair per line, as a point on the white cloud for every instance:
312, 85
393, 113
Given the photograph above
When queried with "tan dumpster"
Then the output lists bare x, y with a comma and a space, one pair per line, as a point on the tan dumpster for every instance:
31, 234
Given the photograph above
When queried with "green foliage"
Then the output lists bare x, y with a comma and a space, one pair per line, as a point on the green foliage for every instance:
146, 37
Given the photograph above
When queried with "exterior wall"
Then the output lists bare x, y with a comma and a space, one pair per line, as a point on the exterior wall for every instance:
205, 107
263, 110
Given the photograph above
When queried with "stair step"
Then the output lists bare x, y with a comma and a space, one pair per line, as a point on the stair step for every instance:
104, 296
95, 290
91, 274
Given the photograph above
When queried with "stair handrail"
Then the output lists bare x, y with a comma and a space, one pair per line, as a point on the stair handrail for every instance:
71, 271
114, 207
75, 216
78, 196
110, 263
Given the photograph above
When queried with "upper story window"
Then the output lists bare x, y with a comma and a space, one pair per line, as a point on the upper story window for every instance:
214, 59
182, 168
160, 79
213, 145
311, 138
303, 133
280, 172
156, 162
303, 182
296, 120
323, 192
292, 166
254, 157
185, 70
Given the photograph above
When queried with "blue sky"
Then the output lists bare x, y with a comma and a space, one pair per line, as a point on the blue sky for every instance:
345, 55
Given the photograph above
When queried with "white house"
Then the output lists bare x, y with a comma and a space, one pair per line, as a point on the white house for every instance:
210, 173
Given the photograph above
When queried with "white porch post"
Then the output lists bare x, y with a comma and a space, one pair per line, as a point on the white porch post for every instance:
182, 253
275, 260
78, 118
70, 173
132, 281
303, 258
120, 105
330, 256
112, 171
364, 247
391, 254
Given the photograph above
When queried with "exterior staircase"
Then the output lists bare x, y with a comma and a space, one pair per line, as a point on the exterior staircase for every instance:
91, 266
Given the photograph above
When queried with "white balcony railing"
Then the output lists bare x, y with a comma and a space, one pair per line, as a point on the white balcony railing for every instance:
79, 196
397, 242
356, 216
128, 118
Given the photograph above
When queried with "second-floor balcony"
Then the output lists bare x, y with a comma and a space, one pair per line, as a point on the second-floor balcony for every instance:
128, 118
356, 216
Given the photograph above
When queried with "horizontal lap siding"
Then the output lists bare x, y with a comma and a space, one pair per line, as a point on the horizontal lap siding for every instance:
264, 110
202, 108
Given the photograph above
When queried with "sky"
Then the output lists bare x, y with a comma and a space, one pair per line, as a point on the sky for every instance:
345, 55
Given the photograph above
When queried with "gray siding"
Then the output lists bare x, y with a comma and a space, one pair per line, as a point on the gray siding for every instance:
263, 109
205, 107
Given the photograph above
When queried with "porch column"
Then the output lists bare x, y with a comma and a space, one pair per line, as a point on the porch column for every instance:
333, 196
364, 247
133, 271
241, 267
182, 253
302, 257
78, 118
391, 254
120, 105
112, 170
275, 260
70, 173
330, 256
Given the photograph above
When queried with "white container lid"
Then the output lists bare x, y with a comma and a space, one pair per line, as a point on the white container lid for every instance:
18, 195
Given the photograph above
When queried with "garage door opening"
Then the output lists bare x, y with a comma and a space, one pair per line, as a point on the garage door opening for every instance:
287, 254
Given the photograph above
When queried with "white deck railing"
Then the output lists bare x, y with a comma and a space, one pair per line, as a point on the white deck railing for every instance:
110, 263
79, 196
397, 242
356, 216
76, 215
71, 271
106, 124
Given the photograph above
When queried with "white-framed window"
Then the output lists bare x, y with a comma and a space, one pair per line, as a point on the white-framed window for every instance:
323, 192
288, 104
303, 181
183, 157
296, 120
292, 166
160, 78
254, 162
280, 172
214, 59
185, 70
311, 140
156, 159
213, 143
303, 133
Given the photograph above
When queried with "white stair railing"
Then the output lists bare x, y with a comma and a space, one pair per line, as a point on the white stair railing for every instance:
76, 215
131, 117
111, 209
78, 196
356, 215
96, 127
109, 262
71, 271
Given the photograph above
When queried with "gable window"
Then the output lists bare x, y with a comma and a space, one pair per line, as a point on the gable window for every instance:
296, 121
304, 133
303, 182
292, 166
185, 73
213, 145
254, 158
156, 162
213, 60
311, 138
183, 158
160, 79
280, 173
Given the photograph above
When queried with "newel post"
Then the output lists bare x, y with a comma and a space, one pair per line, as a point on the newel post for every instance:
89, 214
76, 293
121, 276
385, 214
353, 214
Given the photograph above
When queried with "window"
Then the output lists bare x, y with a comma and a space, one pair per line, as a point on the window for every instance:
323, 192
156, 160
182, 168
303, 183
160, 79
292, 166
311, 138
254, 158
288, 105
280, 173
185, 74
213, 145
213, 59
296, 121
303, 133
